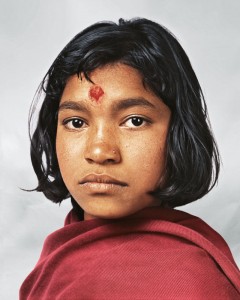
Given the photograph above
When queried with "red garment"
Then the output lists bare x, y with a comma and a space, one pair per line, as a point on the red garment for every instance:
155, 254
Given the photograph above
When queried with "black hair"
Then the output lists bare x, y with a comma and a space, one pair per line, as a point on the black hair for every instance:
192, 158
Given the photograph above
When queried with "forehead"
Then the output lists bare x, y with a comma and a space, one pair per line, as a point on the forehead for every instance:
111, 79
121, 88
118, 73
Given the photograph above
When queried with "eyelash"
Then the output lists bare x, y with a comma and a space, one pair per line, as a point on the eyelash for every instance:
142, 119
67, 122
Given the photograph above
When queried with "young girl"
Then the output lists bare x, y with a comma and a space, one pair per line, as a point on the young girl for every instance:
123, 131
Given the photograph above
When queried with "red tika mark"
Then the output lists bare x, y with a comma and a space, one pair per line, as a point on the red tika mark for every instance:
96, 93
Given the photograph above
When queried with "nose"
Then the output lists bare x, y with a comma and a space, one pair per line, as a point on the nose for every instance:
102, 149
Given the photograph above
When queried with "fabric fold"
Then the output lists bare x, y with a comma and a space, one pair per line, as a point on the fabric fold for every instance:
154, 254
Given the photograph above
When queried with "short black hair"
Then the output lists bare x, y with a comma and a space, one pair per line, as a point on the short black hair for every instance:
192, 158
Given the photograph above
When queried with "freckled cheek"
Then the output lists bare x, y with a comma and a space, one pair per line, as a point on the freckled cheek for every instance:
147, 157
154, 160
68, 155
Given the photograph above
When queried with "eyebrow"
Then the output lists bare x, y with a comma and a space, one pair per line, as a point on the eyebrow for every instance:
127, 103
120, 105
72, 105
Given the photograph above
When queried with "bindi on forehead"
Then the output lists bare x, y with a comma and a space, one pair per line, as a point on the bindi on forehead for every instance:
95, 93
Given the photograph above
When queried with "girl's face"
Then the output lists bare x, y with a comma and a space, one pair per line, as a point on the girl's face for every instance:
111, 142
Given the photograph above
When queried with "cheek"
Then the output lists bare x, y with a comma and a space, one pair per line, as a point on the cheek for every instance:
150, 147
154, 162
147, 157
68, 155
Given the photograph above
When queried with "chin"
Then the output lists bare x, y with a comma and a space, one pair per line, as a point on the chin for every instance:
108, 213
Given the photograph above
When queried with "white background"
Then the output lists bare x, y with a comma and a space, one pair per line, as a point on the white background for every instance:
32, 33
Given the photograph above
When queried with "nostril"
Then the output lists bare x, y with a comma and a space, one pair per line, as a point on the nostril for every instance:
89, 160
104, 162
102, 153
109, 161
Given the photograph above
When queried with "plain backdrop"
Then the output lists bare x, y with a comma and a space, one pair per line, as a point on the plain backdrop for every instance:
32, 33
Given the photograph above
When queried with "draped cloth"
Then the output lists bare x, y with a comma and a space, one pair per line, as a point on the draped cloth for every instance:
155, 254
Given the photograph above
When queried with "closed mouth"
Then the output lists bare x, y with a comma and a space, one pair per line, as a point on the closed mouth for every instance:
101, 179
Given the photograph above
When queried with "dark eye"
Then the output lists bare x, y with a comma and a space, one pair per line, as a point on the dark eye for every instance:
135, 122
74, 123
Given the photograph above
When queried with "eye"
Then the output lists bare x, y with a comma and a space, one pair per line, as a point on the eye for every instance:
136, 121
75, 123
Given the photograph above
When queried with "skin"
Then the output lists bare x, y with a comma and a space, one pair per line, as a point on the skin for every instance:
96, 93
104, 138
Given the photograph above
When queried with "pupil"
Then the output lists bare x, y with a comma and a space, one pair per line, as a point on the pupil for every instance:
77, 123
137, 121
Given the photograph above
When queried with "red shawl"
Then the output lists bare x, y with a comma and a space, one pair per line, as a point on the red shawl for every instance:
155, 254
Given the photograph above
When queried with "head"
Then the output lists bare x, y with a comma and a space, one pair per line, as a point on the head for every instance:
175, 160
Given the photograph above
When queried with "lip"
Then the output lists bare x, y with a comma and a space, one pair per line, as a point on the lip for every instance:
101, 184
94, 178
